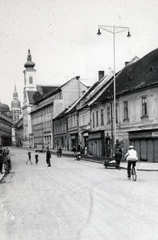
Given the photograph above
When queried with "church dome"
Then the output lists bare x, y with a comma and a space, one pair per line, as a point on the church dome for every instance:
4, 107
15, 104
29, 64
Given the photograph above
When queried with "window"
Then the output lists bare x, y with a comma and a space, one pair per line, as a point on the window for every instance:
30, 80
93, 121
125, 110
144, 106
97, 122
102, 117
108, 115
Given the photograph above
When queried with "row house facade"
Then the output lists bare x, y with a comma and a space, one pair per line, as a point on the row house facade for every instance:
136, 112
136, 108
77, 117
50, 106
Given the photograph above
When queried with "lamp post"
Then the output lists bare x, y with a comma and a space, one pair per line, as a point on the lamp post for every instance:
114, 30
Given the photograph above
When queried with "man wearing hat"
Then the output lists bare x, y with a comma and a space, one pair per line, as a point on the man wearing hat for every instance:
131, 157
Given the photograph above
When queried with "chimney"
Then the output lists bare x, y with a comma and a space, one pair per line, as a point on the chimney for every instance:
126, 63
100, 75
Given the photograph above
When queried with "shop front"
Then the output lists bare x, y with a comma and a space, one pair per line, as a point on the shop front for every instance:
96, 144
146, 144
74, 141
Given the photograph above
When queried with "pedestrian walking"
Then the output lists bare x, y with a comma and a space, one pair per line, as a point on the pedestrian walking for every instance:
1, 161
60, 151
118, 157
48, 157
36, 157
29, 157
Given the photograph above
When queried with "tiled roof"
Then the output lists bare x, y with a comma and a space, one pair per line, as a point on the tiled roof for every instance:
32, 96
41, 93
139, 74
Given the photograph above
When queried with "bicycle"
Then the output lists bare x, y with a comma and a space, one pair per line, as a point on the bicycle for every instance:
133, 172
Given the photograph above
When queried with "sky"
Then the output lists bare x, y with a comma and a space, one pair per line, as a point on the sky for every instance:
62, 37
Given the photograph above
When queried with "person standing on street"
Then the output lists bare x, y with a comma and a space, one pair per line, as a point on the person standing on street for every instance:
29, 157
118, 157
36, 157
1, 161
48, 157
60, 151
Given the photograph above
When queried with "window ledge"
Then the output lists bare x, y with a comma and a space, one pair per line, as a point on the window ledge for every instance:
126, 119
144, 116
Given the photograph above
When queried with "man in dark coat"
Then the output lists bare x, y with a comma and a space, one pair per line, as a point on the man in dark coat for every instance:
118, 157
60, 151
48, 157
1, 161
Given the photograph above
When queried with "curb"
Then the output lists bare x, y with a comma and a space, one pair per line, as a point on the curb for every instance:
1, 178
147, 170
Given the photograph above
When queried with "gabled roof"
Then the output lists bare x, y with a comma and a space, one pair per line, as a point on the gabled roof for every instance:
41, 93
44, 92
91, 92
72, 80
135, 76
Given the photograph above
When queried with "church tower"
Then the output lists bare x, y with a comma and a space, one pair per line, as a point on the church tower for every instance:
29, 90
15, 106
29, 76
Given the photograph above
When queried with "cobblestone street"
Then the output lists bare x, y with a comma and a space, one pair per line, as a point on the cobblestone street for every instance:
78, 200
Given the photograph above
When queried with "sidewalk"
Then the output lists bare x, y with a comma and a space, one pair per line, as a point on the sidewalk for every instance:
1, 176
141, 166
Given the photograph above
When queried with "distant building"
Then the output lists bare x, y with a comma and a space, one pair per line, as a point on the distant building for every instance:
18, 126
15, 106
5, 125
15, 112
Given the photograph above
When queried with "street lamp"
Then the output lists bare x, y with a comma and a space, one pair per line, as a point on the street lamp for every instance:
114, 30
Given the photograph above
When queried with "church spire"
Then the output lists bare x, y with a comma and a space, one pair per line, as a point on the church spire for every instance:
29, 63
15, 93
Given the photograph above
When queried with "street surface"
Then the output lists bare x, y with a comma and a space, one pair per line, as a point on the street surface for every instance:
76, 200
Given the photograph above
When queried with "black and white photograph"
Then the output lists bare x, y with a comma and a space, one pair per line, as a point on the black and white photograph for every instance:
78, 120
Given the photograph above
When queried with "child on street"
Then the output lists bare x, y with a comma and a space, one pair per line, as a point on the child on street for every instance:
36, 157
29, 157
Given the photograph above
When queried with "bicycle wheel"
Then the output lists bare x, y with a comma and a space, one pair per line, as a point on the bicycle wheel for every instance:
134, 174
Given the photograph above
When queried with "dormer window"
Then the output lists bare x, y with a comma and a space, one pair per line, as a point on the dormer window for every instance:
30, 80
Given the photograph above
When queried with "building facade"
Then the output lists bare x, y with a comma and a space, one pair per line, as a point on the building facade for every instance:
49, 107
5, 125
90, 121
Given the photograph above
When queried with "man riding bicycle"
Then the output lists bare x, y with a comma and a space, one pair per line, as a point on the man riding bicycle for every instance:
131, 157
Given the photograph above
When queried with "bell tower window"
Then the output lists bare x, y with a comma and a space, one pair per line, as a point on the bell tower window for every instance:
30, 80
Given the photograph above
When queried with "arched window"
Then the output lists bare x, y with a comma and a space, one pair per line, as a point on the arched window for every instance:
30, 80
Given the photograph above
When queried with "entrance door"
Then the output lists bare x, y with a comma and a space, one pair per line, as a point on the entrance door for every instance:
143, 150
150, 150
155, 150
137, 147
